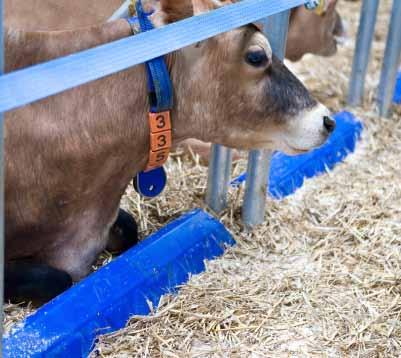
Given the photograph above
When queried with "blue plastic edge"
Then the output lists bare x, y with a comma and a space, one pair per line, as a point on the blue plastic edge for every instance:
104, 301
287, 173
397, 91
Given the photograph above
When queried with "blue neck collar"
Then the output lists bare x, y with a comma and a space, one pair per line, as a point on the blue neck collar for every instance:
151, 183
160, 87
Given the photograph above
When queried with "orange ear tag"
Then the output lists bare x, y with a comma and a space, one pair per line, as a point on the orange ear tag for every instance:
160, 139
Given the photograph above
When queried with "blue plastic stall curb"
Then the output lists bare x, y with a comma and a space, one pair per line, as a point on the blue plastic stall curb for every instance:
104, 301
397, 92
287, 173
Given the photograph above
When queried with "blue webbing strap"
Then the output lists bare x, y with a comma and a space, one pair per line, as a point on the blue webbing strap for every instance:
158, 76
31, 84
152, 182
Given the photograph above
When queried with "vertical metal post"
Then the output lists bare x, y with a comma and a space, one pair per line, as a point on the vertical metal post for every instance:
218, 177
253, 211
391, 61
276, 28
1, 186
362, 51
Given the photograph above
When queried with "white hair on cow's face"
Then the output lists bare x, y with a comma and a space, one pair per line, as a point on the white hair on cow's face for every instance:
305, 132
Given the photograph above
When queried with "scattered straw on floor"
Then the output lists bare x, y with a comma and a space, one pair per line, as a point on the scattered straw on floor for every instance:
321, 277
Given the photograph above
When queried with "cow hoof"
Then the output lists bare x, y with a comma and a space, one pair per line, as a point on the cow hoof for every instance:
123, 234
32, 282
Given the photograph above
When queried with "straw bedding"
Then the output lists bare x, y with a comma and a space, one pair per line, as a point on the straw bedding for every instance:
320, 278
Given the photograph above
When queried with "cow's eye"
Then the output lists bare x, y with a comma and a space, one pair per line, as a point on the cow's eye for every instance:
256, 56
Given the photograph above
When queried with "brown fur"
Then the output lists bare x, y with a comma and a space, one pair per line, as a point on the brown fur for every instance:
311, 33
176, 10
36, 15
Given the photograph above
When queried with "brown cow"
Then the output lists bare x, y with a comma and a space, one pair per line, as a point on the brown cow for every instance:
70, 157
307, 31
312, 33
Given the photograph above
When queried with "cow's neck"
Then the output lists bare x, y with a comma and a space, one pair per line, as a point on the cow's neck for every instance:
40, 46
101, 125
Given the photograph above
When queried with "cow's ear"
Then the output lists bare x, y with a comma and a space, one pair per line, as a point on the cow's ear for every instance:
175, 10
331, 4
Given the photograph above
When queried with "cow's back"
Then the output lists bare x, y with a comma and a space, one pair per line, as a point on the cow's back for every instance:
57, 14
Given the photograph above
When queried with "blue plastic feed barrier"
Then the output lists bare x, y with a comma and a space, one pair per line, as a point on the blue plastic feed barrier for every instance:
397, 92
103, 302
287, 173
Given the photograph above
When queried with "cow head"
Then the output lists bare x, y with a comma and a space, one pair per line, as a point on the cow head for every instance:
231, 90
309, 32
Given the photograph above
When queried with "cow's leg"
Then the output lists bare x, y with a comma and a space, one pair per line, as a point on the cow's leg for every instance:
123, 233
29, 281
70, 258
77, 248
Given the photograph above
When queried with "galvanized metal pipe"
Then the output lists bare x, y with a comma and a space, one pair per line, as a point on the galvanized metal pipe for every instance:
1, 184
362, 51
391, 61
276, 28
219, 174
253, 210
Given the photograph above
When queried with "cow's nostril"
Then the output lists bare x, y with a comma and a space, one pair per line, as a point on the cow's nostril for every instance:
329, 123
